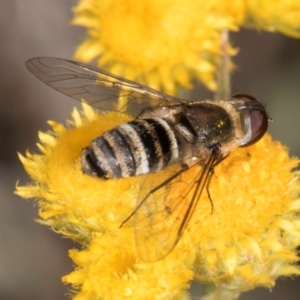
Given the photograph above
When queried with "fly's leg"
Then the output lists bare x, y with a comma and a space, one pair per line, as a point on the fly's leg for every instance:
184, 167
211, 173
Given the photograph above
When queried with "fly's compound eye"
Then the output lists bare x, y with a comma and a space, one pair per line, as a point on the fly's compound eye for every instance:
254, 117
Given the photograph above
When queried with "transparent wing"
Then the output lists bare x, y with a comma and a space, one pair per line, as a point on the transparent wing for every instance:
99, 88
165, 208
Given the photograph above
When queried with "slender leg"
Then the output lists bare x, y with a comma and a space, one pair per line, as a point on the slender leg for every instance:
184, 167
211, 173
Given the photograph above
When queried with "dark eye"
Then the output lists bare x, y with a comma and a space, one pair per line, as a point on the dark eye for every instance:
258, 117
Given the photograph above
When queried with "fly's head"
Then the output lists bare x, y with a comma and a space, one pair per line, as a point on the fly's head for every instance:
253, 117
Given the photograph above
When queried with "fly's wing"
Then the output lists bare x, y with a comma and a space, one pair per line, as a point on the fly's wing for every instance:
166, 206
98, 88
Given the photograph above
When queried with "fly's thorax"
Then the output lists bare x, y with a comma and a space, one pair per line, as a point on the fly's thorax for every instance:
211, 123
215, 122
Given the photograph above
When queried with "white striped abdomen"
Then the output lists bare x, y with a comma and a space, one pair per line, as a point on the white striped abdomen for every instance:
134, 148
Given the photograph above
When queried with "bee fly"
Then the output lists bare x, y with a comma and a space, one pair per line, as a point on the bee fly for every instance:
168, 134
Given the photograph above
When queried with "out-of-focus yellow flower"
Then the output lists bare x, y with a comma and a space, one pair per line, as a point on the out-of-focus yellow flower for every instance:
248, 241
168, 43
279, 15
162, 43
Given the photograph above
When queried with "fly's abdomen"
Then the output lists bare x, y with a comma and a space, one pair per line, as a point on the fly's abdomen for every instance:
138, 147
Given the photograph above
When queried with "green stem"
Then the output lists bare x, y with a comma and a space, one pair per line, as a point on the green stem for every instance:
223, 73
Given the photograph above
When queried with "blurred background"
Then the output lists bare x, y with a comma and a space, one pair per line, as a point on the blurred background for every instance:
32, 257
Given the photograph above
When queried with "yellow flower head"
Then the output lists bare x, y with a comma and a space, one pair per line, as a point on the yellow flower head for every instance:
168, 43
249, 240
278, 15
162, 43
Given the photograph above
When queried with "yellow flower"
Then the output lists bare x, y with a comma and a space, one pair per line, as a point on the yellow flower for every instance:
162, 43
278, 15
249, 240
166, 44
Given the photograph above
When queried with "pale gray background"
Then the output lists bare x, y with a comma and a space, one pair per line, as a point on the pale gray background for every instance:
32, 258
